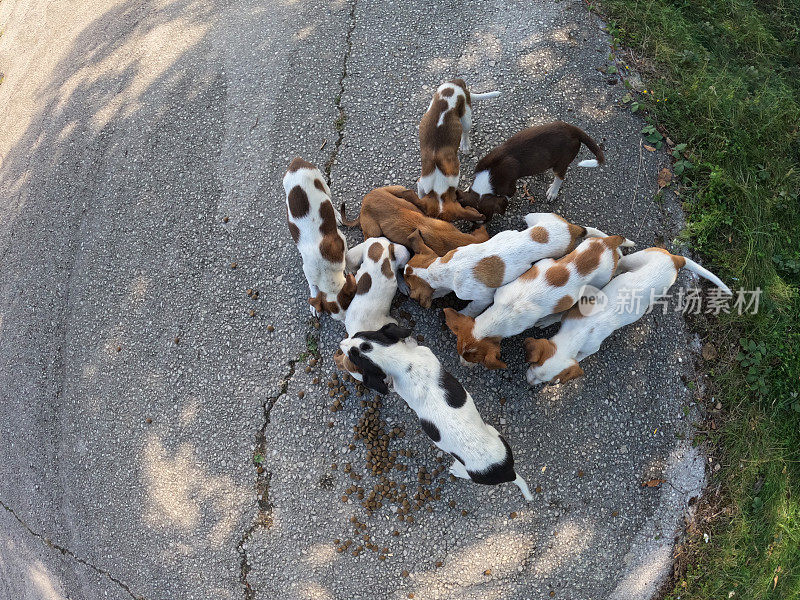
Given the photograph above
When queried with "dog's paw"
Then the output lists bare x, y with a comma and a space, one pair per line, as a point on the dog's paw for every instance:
464, 147
314, 312
552, 192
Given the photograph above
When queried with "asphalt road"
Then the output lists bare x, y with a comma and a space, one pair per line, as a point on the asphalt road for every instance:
142, 151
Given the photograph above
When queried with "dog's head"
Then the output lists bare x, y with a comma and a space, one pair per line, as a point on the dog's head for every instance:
338, 306
547, 364
415, 270
485, 351
372, 351
486, 204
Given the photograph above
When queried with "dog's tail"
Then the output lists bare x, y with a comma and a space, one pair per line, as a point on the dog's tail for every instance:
523, 487
484, 95
599, 159
592, 232
353, 223
706, 274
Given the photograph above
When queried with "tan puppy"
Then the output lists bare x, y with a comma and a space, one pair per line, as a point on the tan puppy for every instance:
548, 287
389, 212
444, 127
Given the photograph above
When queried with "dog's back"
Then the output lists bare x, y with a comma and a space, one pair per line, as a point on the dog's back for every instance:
385, 212
313, 225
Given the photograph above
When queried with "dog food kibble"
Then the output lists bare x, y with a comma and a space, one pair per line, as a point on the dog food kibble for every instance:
552, 593
452, 504
405, 573
487, 572
580, 473
330, 424
148, 420
334, 466
344, 498
315, 381
270, 328
538, 489
225, 219
234, 265
411, 594
439, 563
300, 394
177, 340
502, 401
464, 513
513, 515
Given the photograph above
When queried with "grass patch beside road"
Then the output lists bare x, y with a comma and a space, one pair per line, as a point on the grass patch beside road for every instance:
723, 77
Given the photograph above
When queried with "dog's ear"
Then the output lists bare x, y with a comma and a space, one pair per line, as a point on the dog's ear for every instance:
571, 372
376, 382
537, 351
455, 320
348, 291
395, 332
492, 360
417, 244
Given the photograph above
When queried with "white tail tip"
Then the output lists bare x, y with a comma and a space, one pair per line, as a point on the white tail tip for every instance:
628, 243
591, 162
523, 487
484, 95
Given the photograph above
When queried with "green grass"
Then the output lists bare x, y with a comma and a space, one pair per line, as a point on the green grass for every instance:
723, 77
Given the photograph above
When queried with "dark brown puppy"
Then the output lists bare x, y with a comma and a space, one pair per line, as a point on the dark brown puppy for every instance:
391, 212
531, 151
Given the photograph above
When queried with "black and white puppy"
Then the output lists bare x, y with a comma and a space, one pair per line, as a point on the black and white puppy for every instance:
445, 409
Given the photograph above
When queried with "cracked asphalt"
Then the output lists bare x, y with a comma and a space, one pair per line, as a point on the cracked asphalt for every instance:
154, 440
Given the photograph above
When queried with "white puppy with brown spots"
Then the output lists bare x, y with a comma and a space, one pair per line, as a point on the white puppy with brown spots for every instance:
444, 129
377, 261
548, 287
446, 411
313, 225
474, 272
644, 277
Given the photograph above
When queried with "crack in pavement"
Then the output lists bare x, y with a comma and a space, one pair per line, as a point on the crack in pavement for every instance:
341, 118
264, 515
67, 552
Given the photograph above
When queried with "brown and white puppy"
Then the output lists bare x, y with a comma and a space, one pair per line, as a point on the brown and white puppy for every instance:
313, 224
475, 271
644, 277
446, 411
548, 287
377, 261
531, 151
444, 128
389, 212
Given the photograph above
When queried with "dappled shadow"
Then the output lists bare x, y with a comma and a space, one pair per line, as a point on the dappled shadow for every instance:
131, 391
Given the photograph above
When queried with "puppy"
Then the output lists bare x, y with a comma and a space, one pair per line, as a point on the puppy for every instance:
376, 284
445, 409
313, 225
444, 128
549, 286
474, 272
644, 276
389, 212
534, 150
